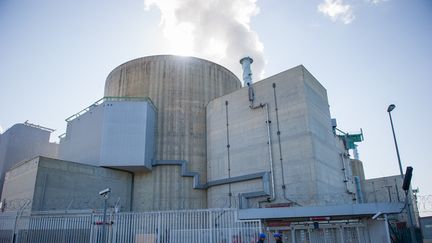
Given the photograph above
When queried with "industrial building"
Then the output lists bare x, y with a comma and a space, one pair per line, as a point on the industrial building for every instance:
183, 133
211, 147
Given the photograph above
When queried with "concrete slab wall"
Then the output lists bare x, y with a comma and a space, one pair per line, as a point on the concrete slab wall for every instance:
115, 133
312, 167
62, 185
83, 139
22, 142
18, 188
334, 179
180, 88
389, 189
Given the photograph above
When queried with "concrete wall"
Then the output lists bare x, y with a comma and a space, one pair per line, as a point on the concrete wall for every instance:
388, 189
116, 133
19, 185
180, 88
23, 142
312, 166
384, 189
52, 184
83, 139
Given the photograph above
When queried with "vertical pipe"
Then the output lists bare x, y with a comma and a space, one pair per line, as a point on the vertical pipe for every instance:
359, 190
278, 135
344, 171
280, 145
228, 153
270, 152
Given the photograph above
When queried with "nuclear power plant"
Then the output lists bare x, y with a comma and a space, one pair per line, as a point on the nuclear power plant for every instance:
197, 155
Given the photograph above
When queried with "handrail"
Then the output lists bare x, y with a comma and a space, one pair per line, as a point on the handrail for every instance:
108, 98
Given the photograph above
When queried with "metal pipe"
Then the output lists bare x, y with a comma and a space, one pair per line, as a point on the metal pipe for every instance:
278, 132
273, 196
228, 153
344, 171
273, 193
269, 143
272, 180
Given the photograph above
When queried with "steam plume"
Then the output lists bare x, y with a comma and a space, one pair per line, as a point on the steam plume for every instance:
218, 30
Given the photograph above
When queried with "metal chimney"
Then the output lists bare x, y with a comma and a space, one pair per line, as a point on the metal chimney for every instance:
247, 73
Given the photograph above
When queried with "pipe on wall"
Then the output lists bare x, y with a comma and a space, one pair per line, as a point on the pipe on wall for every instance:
278, 132
269, 143
343, 155
228, 154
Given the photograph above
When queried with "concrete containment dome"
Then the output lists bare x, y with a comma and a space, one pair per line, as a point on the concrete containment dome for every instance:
180, 88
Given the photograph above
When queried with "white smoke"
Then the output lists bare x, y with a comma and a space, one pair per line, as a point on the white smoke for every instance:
1, 129
337, 10
217, 30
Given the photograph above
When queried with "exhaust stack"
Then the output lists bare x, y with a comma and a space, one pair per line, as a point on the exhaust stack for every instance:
247, 73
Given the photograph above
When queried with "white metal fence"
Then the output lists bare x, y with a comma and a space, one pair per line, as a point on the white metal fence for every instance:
216, 226
209, 226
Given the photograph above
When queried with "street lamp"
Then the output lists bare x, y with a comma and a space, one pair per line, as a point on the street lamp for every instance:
409, 211
389, 109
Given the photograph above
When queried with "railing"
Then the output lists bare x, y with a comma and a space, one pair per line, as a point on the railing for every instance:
211, 225
108, 98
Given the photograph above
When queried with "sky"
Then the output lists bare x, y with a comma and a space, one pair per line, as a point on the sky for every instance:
56, 55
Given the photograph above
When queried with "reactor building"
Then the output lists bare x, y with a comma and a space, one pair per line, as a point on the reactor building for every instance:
176, 133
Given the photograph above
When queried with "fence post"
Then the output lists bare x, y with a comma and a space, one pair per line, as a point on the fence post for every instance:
293, 238
14, 228
342, 233
92, 227
158, 229
210, 225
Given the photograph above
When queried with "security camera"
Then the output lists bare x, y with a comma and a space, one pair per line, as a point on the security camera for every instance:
105, 192
376, 215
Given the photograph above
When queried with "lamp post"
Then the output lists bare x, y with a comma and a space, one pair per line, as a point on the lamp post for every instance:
409, 211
